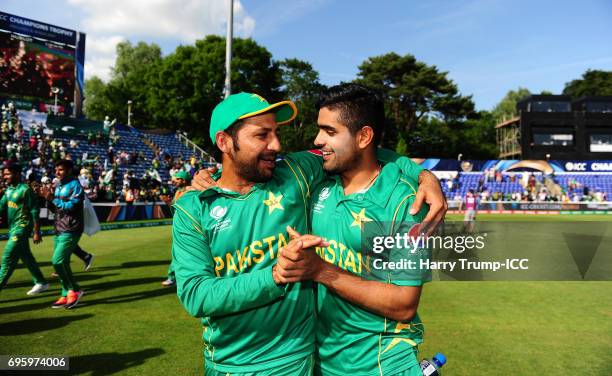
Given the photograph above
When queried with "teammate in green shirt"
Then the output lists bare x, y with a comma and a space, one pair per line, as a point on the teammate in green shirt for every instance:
20, 206
180, 180
364, 326
226, 240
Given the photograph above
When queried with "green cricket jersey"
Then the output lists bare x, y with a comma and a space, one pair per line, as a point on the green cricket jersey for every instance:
21, 208
350, 339
224, 247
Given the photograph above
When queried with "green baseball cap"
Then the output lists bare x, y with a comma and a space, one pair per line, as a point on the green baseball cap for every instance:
182, 175
244, 105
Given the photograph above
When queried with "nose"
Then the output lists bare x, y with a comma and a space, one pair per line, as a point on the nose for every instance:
319, 140
274, 144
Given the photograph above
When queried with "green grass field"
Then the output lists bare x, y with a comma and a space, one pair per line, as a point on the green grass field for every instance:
128, 324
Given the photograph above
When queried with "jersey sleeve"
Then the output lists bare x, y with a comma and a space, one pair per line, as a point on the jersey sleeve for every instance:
3, 204
200, 291
308, 167
404, 223
31, 203
406, 165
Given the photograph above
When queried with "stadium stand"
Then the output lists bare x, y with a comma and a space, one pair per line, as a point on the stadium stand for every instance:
113, 164
572, 187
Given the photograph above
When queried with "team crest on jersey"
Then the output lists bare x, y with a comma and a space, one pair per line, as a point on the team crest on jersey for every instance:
273, 202
323, 195
360, 218
218, 212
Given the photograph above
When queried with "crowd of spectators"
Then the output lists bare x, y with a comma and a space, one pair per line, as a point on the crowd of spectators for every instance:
98, 174
531, 190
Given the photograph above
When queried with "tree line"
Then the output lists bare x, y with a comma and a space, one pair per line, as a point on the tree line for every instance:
426, 113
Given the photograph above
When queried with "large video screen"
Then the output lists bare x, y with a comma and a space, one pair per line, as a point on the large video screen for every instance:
31, 67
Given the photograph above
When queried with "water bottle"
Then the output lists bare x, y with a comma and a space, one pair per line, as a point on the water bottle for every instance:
432, 367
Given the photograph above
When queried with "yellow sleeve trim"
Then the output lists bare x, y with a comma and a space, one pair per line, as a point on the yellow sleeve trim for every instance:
194, 222
397, 211
304, 197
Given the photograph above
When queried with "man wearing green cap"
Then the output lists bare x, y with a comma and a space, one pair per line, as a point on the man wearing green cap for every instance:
180, 180
226, 241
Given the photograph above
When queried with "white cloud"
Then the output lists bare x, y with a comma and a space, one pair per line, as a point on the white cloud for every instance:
100, 55
186, 20
107, 22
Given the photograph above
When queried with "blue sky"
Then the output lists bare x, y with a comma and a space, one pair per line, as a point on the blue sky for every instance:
487, 46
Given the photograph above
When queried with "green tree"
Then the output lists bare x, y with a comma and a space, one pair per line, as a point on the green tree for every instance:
130, 75
129, 81
506, 108
96, 104
477, 139
300, 84
593, 82
413, 91
188, 84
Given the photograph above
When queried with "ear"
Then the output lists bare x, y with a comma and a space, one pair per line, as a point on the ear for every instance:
365, 137
224, 141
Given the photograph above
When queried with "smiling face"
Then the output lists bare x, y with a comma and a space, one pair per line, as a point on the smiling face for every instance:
340, 147
10, 177
253, 148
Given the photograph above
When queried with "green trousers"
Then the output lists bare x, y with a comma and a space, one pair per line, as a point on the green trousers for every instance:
300, 367
18, 247
63, 246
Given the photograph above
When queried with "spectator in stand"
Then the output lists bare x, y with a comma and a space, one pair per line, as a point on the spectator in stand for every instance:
449, 184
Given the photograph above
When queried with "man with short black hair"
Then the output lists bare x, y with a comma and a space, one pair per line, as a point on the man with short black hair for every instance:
20, 206
367, 321
67, 202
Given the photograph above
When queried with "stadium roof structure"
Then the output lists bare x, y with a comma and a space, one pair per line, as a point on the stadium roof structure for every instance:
508, 135
508, 122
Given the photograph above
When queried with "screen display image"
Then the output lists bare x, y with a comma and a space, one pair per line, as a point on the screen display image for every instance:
31, 68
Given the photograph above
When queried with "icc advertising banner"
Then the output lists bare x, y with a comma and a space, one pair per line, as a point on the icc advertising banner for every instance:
26, 26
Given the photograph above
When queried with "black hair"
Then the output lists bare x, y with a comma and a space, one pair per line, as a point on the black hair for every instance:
14, 168
359, 106
67, 164
232, 131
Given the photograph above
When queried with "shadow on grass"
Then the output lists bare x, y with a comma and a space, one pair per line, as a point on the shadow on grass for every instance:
135, 264
40, 264
80, 276
127, 298
30, 326
110, 363
96, 288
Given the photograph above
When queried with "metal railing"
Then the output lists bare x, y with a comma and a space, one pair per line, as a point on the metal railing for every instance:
195, 148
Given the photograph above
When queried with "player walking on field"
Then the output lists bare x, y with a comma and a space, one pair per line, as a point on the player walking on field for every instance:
226, 241
67, 202
19, 205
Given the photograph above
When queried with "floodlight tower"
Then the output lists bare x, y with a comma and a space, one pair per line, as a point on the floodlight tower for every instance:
55, 90
228, 49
